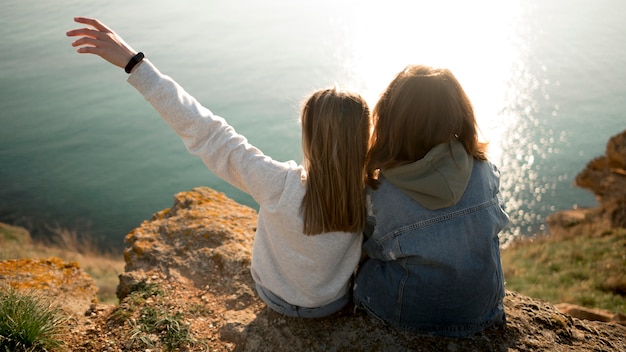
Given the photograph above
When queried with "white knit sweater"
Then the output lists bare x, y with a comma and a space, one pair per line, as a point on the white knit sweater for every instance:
307, 271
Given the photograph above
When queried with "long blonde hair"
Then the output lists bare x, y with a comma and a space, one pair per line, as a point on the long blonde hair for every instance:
335, 137
421, 108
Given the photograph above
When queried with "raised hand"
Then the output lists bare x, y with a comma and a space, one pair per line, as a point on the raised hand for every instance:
102, 41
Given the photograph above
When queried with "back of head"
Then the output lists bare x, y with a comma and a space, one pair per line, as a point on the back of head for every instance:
421, 108
335, 137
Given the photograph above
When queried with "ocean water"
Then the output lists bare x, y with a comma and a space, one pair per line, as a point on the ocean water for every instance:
80, 149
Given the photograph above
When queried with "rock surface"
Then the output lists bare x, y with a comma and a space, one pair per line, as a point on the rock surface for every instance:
72, 289
189, 267
187, 271
198, 252
605, 176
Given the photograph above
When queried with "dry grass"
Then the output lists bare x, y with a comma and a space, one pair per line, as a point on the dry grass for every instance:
68, 245
586, 267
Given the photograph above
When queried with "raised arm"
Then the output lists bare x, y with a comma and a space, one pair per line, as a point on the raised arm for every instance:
102, 41
225, 152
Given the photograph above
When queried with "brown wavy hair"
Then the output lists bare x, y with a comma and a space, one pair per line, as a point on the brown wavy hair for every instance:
422, 107
335, 137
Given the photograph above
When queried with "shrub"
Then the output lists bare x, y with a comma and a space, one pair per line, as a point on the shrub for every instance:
28, 322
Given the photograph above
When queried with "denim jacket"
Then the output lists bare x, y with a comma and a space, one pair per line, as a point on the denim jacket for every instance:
435, 271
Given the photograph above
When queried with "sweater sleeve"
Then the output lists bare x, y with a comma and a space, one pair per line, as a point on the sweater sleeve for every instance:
225, 152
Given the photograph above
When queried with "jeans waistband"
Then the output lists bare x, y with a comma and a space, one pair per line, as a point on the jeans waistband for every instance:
283, 307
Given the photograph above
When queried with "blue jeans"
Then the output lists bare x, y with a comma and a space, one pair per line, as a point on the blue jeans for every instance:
279, 305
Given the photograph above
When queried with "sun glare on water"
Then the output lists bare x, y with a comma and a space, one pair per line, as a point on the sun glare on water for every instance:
475, 40
485, 45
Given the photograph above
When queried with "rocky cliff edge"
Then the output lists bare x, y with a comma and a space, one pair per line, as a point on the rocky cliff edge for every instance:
198, 255
187, 271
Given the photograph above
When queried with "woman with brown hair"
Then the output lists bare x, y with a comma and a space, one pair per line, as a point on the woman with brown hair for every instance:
433, 256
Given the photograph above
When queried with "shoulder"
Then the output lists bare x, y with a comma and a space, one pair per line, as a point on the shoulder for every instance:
280, 183
486, 167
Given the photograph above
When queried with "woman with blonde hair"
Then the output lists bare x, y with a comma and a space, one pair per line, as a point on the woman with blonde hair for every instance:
433, 256
311, 216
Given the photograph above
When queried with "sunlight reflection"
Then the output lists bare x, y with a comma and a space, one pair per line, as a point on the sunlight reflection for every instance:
485, 44
476, 40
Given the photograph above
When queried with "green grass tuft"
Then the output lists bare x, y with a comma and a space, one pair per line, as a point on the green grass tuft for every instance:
29, 322
151, 323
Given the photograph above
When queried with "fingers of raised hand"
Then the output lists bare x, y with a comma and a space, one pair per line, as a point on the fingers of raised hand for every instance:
87, 44
100, 40
92, 22
87, 32
89, 38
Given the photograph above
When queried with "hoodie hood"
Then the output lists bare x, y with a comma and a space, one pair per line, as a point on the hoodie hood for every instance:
438, 180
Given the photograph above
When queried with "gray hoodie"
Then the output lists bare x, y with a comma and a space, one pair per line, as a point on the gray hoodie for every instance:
438, 180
